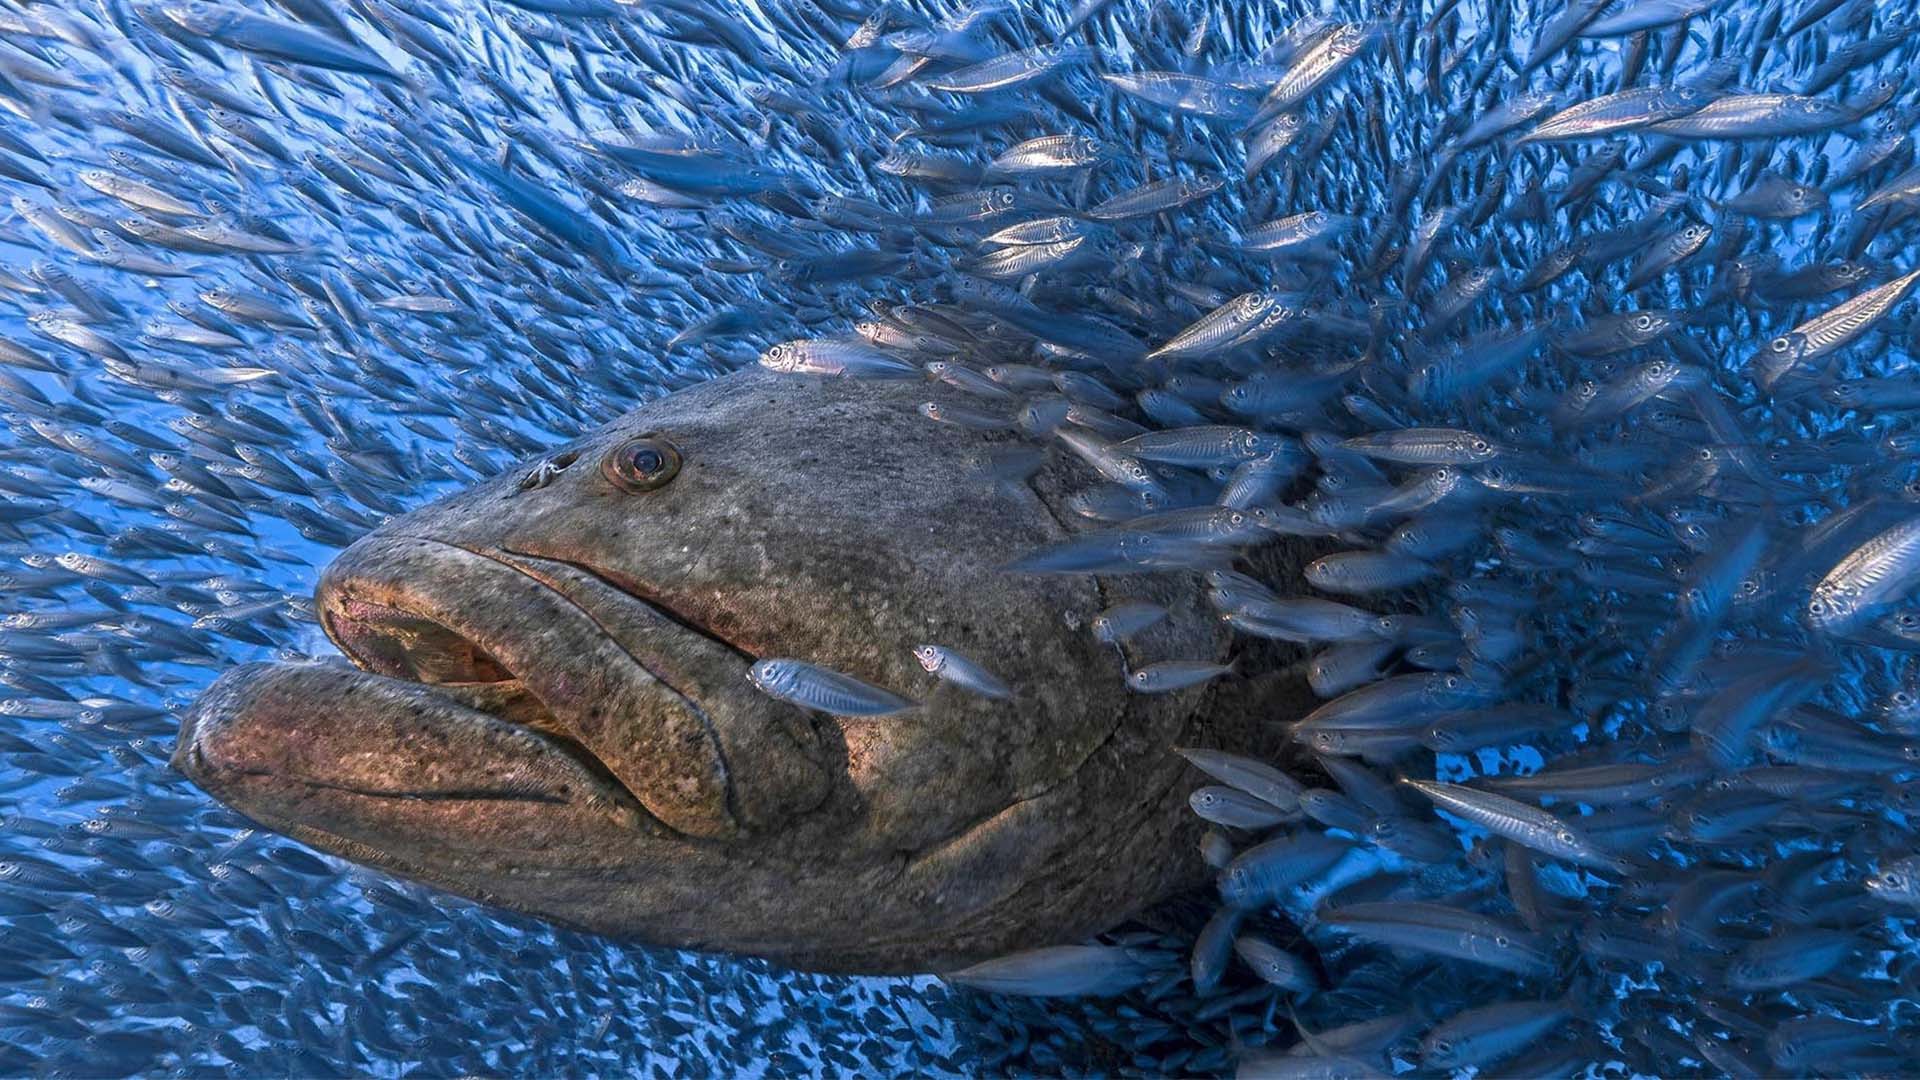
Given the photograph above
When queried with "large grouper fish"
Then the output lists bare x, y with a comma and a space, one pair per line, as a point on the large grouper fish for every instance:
552, 712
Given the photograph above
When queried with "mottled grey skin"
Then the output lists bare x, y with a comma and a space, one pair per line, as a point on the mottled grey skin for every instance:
599, 758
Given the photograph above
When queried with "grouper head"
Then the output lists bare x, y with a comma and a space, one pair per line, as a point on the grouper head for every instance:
548, 706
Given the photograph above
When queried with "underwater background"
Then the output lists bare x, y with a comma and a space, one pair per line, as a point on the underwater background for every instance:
1579, 336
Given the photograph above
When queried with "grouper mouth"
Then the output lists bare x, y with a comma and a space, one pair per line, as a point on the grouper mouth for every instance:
523, 682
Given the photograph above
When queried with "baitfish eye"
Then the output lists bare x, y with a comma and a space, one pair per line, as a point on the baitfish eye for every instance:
644, 463
543, 473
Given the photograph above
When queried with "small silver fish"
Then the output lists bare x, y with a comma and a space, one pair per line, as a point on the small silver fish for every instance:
812, 687
958, 669
1059, 971
1276, 966
1516, 821
1426, 446
830, 357
1236, 809
1170, 675
1256, 778
1122, 621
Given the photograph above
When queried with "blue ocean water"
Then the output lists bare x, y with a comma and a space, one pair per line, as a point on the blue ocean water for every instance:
274, 273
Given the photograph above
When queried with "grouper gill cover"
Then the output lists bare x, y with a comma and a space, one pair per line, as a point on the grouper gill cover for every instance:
1313, 538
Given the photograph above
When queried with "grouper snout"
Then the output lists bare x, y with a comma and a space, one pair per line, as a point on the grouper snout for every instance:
545, 702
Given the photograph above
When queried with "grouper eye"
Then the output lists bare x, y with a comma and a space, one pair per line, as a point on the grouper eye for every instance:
641, 464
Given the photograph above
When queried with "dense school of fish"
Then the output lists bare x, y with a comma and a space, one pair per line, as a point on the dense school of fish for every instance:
1576, 334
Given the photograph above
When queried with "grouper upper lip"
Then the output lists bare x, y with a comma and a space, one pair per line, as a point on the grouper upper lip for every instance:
444, 657
640, 692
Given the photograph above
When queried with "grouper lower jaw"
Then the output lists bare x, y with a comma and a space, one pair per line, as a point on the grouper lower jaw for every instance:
380, 759
553, 714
